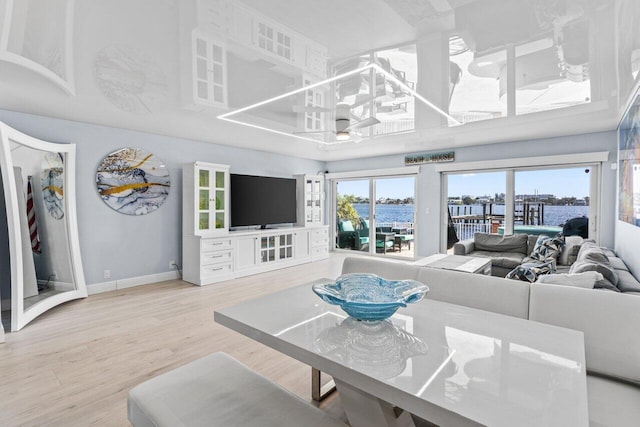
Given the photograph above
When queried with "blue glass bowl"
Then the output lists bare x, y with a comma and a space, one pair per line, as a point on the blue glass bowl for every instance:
370, 297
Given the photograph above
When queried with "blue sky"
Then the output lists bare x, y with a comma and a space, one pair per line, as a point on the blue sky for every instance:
559, 182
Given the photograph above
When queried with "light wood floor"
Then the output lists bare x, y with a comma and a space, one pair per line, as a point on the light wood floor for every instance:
74, 365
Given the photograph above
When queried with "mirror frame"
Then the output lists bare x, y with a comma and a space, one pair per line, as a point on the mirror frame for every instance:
19, 316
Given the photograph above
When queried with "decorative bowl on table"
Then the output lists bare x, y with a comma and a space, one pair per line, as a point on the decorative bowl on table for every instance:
368, 296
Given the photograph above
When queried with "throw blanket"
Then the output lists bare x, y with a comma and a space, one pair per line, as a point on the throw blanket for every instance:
530, 271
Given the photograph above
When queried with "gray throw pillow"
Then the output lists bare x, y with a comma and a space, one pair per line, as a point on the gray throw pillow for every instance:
581, 266
589, 251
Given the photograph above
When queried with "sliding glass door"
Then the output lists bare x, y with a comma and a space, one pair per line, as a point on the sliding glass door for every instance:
532, 200
376, 215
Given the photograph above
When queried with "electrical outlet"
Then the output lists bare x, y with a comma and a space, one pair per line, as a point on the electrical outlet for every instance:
172, 264
107, 274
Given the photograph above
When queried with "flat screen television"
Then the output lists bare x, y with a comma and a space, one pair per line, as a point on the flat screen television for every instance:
262, 200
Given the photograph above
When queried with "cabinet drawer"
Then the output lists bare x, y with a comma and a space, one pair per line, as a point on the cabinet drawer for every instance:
319, 251
216, 257
214, 244
320, 234
320, 242
216, 270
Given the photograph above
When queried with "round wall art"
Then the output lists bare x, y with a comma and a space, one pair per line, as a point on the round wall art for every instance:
52, 181
133, 181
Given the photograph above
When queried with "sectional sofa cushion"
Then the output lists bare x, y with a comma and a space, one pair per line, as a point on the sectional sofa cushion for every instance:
612, 403
508, 260
609, 321
626, 282
499, 243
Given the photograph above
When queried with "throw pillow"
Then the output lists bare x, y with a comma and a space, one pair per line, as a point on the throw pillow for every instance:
549, 249
573, 254
585, 280
541, 238
609, 273
571, 247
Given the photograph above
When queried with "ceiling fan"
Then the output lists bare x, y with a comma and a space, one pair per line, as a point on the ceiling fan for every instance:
345, 123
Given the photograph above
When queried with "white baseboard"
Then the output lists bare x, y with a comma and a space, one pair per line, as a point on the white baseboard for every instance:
113, 285
98, 288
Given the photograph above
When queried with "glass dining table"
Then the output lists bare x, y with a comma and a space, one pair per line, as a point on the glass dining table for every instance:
445, 363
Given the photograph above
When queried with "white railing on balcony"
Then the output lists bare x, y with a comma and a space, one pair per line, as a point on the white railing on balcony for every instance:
465, 231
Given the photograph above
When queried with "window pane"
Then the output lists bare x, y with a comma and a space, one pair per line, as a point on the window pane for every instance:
202, 68
204, 200
542, 206
476, 204
219, 179
217, 74
201, 47
220, 199
218, 94
203, 223
203, 176
217, 53
220, 220
394, 216
353, 215
203, 90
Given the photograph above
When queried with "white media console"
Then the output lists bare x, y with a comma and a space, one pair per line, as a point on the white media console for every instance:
211, 253
208, 260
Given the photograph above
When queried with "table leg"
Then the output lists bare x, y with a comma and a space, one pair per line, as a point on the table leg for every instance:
319, 391
365, 410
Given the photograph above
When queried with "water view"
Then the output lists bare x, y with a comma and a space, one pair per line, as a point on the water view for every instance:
553, 215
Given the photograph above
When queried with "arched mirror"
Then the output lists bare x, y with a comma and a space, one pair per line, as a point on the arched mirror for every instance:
38, 220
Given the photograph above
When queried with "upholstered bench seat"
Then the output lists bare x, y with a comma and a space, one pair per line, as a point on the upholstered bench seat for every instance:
612, 403
217, 390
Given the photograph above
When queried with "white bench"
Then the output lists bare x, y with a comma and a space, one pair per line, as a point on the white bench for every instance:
217, 390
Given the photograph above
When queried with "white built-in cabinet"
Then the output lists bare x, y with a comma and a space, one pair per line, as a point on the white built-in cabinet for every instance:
310, 198
206, 206
209, 70
211, 253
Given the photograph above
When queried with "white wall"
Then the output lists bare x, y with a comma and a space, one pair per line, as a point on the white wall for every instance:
133, 246
428, 197
627, 244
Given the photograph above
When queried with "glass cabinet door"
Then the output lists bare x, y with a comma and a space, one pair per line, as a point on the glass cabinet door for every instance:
211, 194
204, 199
220, 198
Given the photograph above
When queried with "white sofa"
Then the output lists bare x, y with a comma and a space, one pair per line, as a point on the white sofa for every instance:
608, 319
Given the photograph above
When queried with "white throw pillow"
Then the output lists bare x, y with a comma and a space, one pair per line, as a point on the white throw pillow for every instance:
569, 243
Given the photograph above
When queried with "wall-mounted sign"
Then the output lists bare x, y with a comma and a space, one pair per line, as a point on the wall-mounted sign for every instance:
415, 159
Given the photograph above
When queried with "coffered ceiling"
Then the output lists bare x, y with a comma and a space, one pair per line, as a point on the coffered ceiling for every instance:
441, 73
